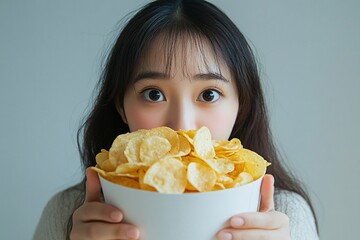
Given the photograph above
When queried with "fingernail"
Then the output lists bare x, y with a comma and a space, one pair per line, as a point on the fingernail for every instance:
116, 216
237, 222
225, 236
132, 233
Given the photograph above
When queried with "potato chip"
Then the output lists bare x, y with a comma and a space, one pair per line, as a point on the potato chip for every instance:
254, 163
190, 188
113, 176
189, 135
201, 177
218, 143
167, 176
108, 166
125, 181
184, 146
133, 175
234, 157
169, 134
218, 186
220, 165
116, 152
233, 144
102, 156
102, 159
224, 179
202, 144
128, 167
132, 149
238, 168
153, 148
168, 161
242, 179
100, 171
143, 185
188, 159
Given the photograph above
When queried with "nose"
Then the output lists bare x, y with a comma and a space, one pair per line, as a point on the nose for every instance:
182, 116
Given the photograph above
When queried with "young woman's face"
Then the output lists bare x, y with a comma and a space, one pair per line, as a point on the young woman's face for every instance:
198, 91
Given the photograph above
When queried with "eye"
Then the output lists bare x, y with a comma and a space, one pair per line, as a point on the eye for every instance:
153, 95
209, 95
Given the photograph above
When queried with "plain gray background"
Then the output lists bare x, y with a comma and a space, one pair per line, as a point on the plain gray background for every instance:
50, 59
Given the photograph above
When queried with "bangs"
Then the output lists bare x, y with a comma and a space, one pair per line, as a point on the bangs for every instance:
178, 43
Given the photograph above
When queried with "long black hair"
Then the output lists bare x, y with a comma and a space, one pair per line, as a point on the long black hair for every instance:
197, 19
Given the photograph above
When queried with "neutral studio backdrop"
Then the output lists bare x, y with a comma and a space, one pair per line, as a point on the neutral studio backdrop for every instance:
50, 59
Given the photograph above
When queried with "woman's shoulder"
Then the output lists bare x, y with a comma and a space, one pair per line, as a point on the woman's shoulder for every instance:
66, 201
54, 220
301, 219
281, 195
68, 197
288, 201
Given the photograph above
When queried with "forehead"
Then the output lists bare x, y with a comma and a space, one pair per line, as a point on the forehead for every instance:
186, 53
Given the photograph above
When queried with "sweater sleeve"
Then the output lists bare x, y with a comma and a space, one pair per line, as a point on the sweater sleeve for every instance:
301, 220
55, 216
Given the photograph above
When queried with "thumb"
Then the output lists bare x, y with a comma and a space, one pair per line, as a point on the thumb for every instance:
267, 194
93, 187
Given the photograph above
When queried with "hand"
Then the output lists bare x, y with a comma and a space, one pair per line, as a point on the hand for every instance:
97, 220
265, 224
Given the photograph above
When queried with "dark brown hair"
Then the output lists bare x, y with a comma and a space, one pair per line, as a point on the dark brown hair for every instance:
193, 18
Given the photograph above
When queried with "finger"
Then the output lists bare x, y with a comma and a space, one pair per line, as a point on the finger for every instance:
260, 220
253, 234
101, 230
97, 211
267, 194
93, 187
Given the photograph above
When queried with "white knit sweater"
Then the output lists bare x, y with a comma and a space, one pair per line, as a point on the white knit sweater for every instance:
53, 222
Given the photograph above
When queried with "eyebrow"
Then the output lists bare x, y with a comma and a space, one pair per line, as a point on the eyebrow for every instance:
151, 75
163, 76
211, 76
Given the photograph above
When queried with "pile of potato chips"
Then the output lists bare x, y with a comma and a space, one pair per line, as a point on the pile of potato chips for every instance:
168, 161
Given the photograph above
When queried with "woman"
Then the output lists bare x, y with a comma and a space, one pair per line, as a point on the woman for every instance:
181, 64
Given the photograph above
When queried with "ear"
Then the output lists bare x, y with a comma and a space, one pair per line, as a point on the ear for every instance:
121, 112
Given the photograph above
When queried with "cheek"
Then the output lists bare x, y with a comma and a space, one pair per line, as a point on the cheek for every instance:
142, 118
221, 122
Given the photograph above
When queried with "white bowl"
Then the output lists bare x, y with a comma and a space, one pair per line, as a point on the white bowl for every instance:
188, 216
